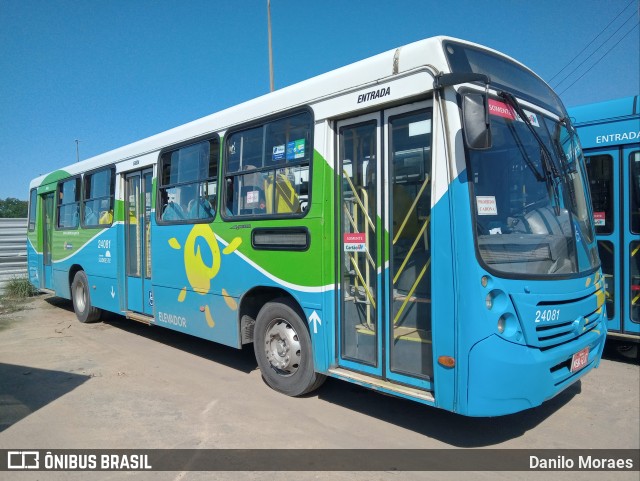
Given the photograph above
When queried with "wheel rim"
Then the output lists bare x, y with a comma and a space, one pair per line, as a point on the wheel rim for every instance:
282, 347
79, 297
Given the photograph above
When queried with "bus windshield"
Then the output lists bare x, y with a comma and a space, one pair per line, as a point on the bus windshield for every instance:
531, 198
503, 73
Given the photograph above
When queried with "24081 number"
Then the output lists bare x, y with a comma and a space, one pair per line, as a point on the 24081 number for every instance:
548, 315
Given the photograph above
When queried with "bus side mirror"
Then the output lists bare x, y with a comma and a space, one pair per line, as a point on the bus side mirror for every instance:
475, 119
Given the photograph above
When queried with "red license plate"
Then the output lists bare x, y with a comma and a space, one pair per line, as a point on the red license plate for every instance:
580, 360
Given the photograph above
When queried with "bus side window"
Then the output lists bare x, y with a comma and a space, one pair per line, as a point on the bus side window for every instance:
187, 184
99, 193
69, 204
278, 154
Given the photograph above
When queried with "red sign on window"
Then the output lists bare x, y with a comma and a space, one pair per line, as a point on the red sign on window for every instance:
599, 218
354, 241
501, 109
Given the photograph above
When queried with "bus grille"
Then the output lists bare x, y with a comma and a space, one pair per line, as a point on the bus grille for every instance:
550, 336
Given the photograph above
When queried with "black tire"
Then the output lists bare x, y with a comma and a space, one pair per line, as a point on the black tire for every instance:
282, 346
81, 297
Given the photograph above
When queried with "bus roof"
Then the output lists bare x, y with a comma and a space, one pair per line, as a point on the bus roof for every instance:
605, 124
605, 111
360, 75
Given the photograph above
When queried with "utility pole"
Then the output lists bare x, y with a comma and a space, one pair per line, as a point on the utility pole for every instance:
270, 49
77, 150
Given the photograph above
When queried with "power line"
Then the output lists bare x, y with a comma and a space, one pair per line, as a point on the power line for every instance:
605, 54
594, 52
595, 38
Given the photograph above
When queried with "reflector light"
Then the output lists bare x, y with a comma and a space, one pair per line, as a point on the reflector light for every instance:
446, 361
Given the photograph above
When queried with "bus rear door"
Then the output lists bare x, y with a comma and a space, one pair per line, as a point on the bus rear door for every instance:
48, 201
138, 193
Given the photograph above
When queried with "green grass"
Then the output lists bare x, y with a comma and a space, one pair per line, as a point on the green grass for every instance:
16, 293
19, 288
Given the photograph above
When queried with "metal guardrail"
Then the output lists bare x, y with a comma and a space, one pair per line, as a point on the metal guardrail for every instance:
13, 250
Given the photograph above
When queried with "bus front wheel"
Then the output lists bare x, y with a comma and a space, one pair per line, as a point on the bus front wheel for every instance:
282, 346
81, 297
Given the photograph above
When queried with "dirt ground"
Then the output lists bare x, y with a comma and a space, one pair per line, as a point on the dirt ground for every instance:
120, 384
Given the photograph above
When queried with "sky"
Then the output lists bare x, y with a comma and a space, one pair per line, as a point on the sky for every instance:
110, 72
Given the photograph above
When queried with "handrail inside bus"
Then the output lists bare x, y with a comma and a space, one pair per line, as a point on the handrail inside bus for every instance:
412, 208
411, 291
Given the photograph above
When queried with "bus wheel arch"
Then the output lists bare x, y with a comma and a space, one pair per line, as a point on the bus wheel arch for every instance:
81, 298
283, 349
250, 304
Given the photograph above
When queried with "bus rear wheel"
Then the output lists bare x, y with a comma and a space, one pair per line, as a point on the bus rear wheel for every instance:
282, 346
81, 297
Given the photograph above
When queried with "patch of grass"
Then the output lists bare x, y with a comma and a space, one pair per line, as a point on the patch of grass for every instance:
19, 288
16, 293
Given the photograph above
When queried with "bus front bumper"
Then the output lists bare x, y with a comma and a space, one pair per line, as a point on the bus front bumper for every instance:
505, 377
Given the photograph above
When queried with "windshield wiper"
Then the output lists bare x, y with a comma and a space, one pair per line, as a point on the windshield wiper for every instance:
569, 165
551, 175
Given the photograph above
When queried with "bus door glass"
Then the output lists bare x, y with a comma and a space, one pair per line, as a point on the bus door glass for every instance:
358, 242
409, 342
47, 239
631, 240
603, 169
384, 244
138, 191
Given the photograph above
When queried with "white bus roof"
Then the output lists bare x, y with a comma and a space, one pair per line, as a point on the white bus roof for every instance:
359, 75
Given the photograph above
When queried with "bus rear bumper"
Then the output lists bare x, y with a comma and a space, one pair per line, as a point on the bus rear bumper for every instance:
505, 378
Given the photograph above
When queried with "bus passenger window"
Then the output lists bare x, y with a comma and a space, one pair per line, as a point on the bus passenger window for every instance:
69, 204
188, 183
99, 193
267, 168
33, 200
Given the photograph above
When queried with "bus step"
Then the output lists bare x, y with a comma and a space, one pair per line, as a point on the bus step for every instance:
136, 316
402, 298
411, 334
356, 300
382, 385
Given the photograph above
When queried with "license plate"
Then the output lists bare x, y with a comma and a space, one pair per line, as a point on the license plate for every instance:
580, 360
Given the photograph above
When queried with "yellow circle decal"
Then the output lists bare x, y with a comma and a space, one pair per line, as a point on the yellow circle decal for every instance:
199, 273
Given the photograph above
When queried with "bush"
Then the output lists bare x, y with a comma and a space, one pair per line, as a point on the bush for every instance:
19, 287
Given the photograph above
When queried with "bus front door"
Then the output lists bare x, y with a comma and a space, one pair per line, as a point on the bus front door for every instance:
383, 207
138, 193
616, 211
631, 240
603, 167
47, 239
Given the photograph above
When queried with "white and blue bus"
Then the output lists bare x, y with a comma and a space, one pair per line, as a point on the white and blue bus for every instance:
418, 222
610, 136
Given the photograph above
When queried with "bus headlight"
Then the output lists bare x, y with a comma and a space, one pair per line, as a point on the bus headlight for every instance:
501, 324
488, 301
509, 327
496, 300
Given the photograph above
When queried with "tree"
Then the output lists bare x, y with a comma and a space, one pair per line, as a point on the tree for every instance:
13, 208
